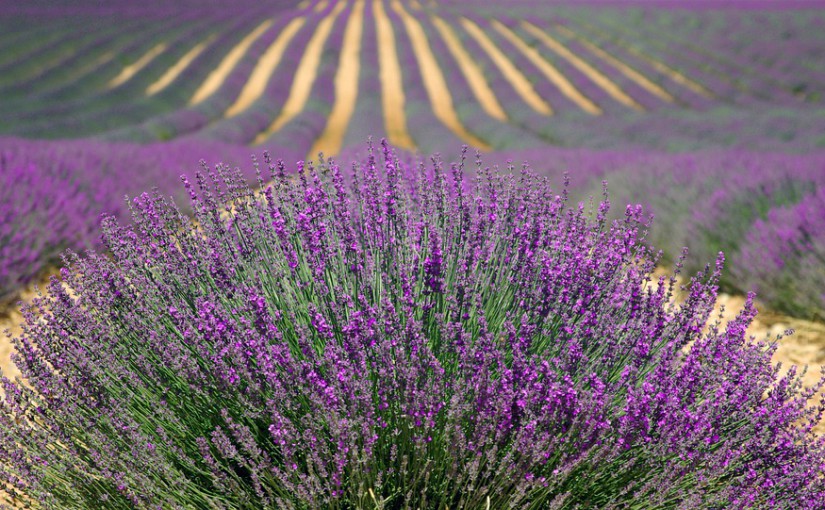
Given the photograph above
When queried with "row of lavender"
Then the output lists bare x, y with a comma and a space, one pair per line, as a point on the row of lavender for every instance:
765, 211
53, 193
746, 56
661, 71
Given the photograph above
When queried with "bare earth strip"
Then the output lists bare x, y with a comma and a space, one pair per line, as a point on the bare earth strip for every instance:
269, 61
591, 72
510, 72
548, 70
132, 69
346, 86
620, 66
180, 66
216, 78
440, 98
392, 87
475, 77
12, 323
320, 6
304, 75
99, 62
661, 67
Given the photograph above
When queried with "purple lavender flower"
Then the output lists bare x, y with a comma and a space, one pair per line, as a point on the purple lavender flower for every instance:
394, 335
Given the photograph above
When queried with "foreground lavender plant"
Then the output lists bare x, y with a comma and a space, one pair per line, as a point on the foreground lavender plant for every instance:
413, 339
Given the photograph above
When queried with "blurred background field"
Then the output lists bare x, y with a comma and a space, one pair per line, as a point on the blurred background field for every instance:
709, 113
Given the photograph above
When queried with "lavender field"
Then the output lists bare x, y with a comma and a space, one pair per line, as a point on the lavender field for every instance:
390, 254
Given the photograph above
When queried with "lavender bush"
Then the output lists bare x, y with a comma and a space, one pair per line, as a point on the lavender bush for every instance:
38, 209
404, 337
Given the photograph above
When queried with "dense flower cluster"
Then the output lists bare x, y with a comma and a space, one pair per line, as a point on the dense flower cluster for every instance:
401, 336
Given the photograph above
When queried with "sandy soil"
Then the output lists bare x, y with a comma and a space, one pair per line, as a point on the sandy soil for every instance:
472, 71
548, 70
304, 76
806, 346
612, 89
623, 68
661, 67
132, 69
259, 79
178, 67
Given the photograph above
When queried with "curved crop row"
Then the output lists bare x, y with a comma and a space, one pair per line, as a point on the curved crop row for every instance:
53, 193
569, 68
760, 209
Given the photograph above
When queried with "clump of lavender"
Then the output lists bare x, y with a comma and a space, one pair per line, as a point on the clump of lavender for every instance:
783, 257
401, 337
52, 194
39, 212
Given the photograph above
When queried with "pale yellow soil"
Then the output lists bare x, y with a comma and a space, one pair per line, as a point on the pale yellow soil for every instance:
441, 101
320, 6
548, 70
475, 76
392, 87
269, 61
304, 76
178, 67
620, 66
218, 76
583, 66
132, 69
10, 321
346, 87
520, 83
